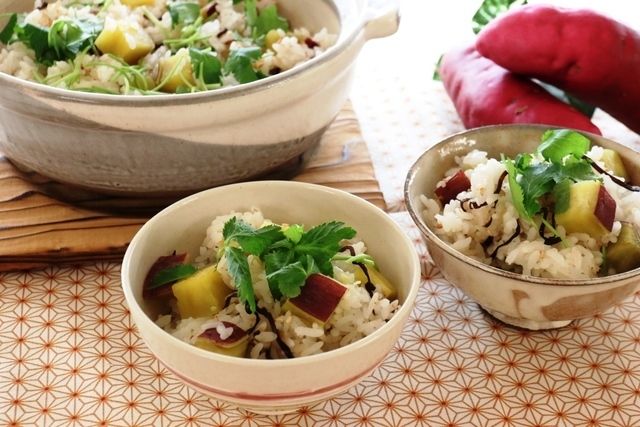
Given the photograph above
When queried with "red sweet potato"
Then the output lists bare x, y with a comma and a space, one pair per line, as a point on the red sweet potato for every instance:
582, 52
486, 94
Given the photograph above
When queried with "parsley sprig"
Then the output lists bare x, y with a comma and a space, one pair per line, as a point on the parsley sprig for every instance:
289, 255
559, 161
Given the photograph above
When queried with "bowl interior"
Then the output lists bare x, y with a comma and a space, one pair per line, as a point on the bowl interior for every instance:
509, 140
182, 227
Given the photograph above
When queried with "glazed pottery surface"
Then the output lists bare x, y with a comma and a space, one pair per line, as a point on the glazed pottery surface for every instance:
171, 144
529, 302
270, 386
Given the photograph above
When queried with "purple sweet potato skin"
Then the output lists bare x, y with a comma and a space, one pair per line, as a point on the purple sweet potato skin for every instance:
487, 94
589, 55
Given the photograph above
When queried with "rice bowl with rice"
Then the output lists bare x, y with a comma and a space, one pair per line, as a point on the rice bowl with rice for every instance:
273, 322
531, 216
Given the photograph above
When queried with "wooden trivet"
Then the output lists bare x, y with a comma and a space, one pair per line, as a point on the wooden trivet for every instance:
43, 222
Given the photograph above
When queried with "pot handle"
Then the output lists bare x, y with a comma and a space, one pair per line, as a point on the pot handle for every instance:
381, 20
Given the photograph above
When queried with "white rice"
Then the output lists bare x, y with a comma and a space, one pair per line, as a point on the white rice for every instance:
154, 20
357, 315
578, 256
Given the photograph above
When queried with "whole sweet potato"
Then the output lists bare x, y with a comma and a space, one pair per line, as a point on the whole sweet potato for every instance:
487, 94
589, 55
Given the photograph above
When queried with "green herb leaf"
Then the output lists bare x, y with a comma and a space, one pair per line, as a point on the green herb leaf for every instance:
270, 20
239, 270
240, 64
251, 12
577, 170
252, 241
206, 65
69, 37
536, 181
8, 30
560, 143
273, 262
289, 279
517, 194
183, 13
489, 10
561, 193
172, 274
323, 242
294, 232
289, 256
37, 39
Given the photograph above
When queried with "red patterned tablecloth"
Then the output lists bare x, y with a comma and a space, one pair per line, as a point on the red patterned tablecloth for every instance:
69, 354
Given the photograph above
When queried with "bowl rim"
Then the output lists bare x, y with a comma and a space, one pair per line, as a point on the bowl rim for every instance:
416, 215
372, 210
219, 94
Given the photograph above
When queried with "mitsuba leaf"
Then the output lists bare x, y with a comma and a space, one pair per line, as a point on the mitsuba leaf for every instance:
536, 181
489, 10
206, 65
7, 32
240, 64
252, 241
289, 279
577, 170
69, 37
240, 272
294, 232
561, 193
184, 13
273, 262
560, 143
517, 194
251, 12
268, 20
322, 242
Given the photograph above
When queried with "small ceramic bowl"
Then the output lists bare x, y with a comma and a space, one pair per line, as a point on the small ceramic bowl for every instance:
177, 144
270, 386
525, 301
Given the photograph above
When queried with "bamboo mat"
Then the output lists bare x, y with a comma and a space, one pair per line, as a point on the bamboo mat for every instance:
43, 222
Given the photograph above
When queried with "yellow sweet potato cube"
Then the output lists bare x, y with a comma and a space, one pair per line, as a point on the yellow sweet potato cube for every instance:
613, 162
382, 284
591, 210
202, 294
176, 71
126, 40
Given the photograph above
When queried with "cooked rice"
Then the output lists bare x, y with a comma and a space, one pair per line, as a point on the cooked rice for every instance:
578, 257
357, 315
88, 72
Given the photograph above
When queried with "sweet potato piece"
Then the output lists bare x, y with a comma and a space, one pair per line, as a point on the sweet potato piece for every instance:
454, 185
487, 94
591, 210
580, 51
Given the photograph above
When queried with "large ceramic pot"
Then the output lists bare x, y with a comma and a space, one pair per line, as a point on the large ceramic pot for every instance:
180, 143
